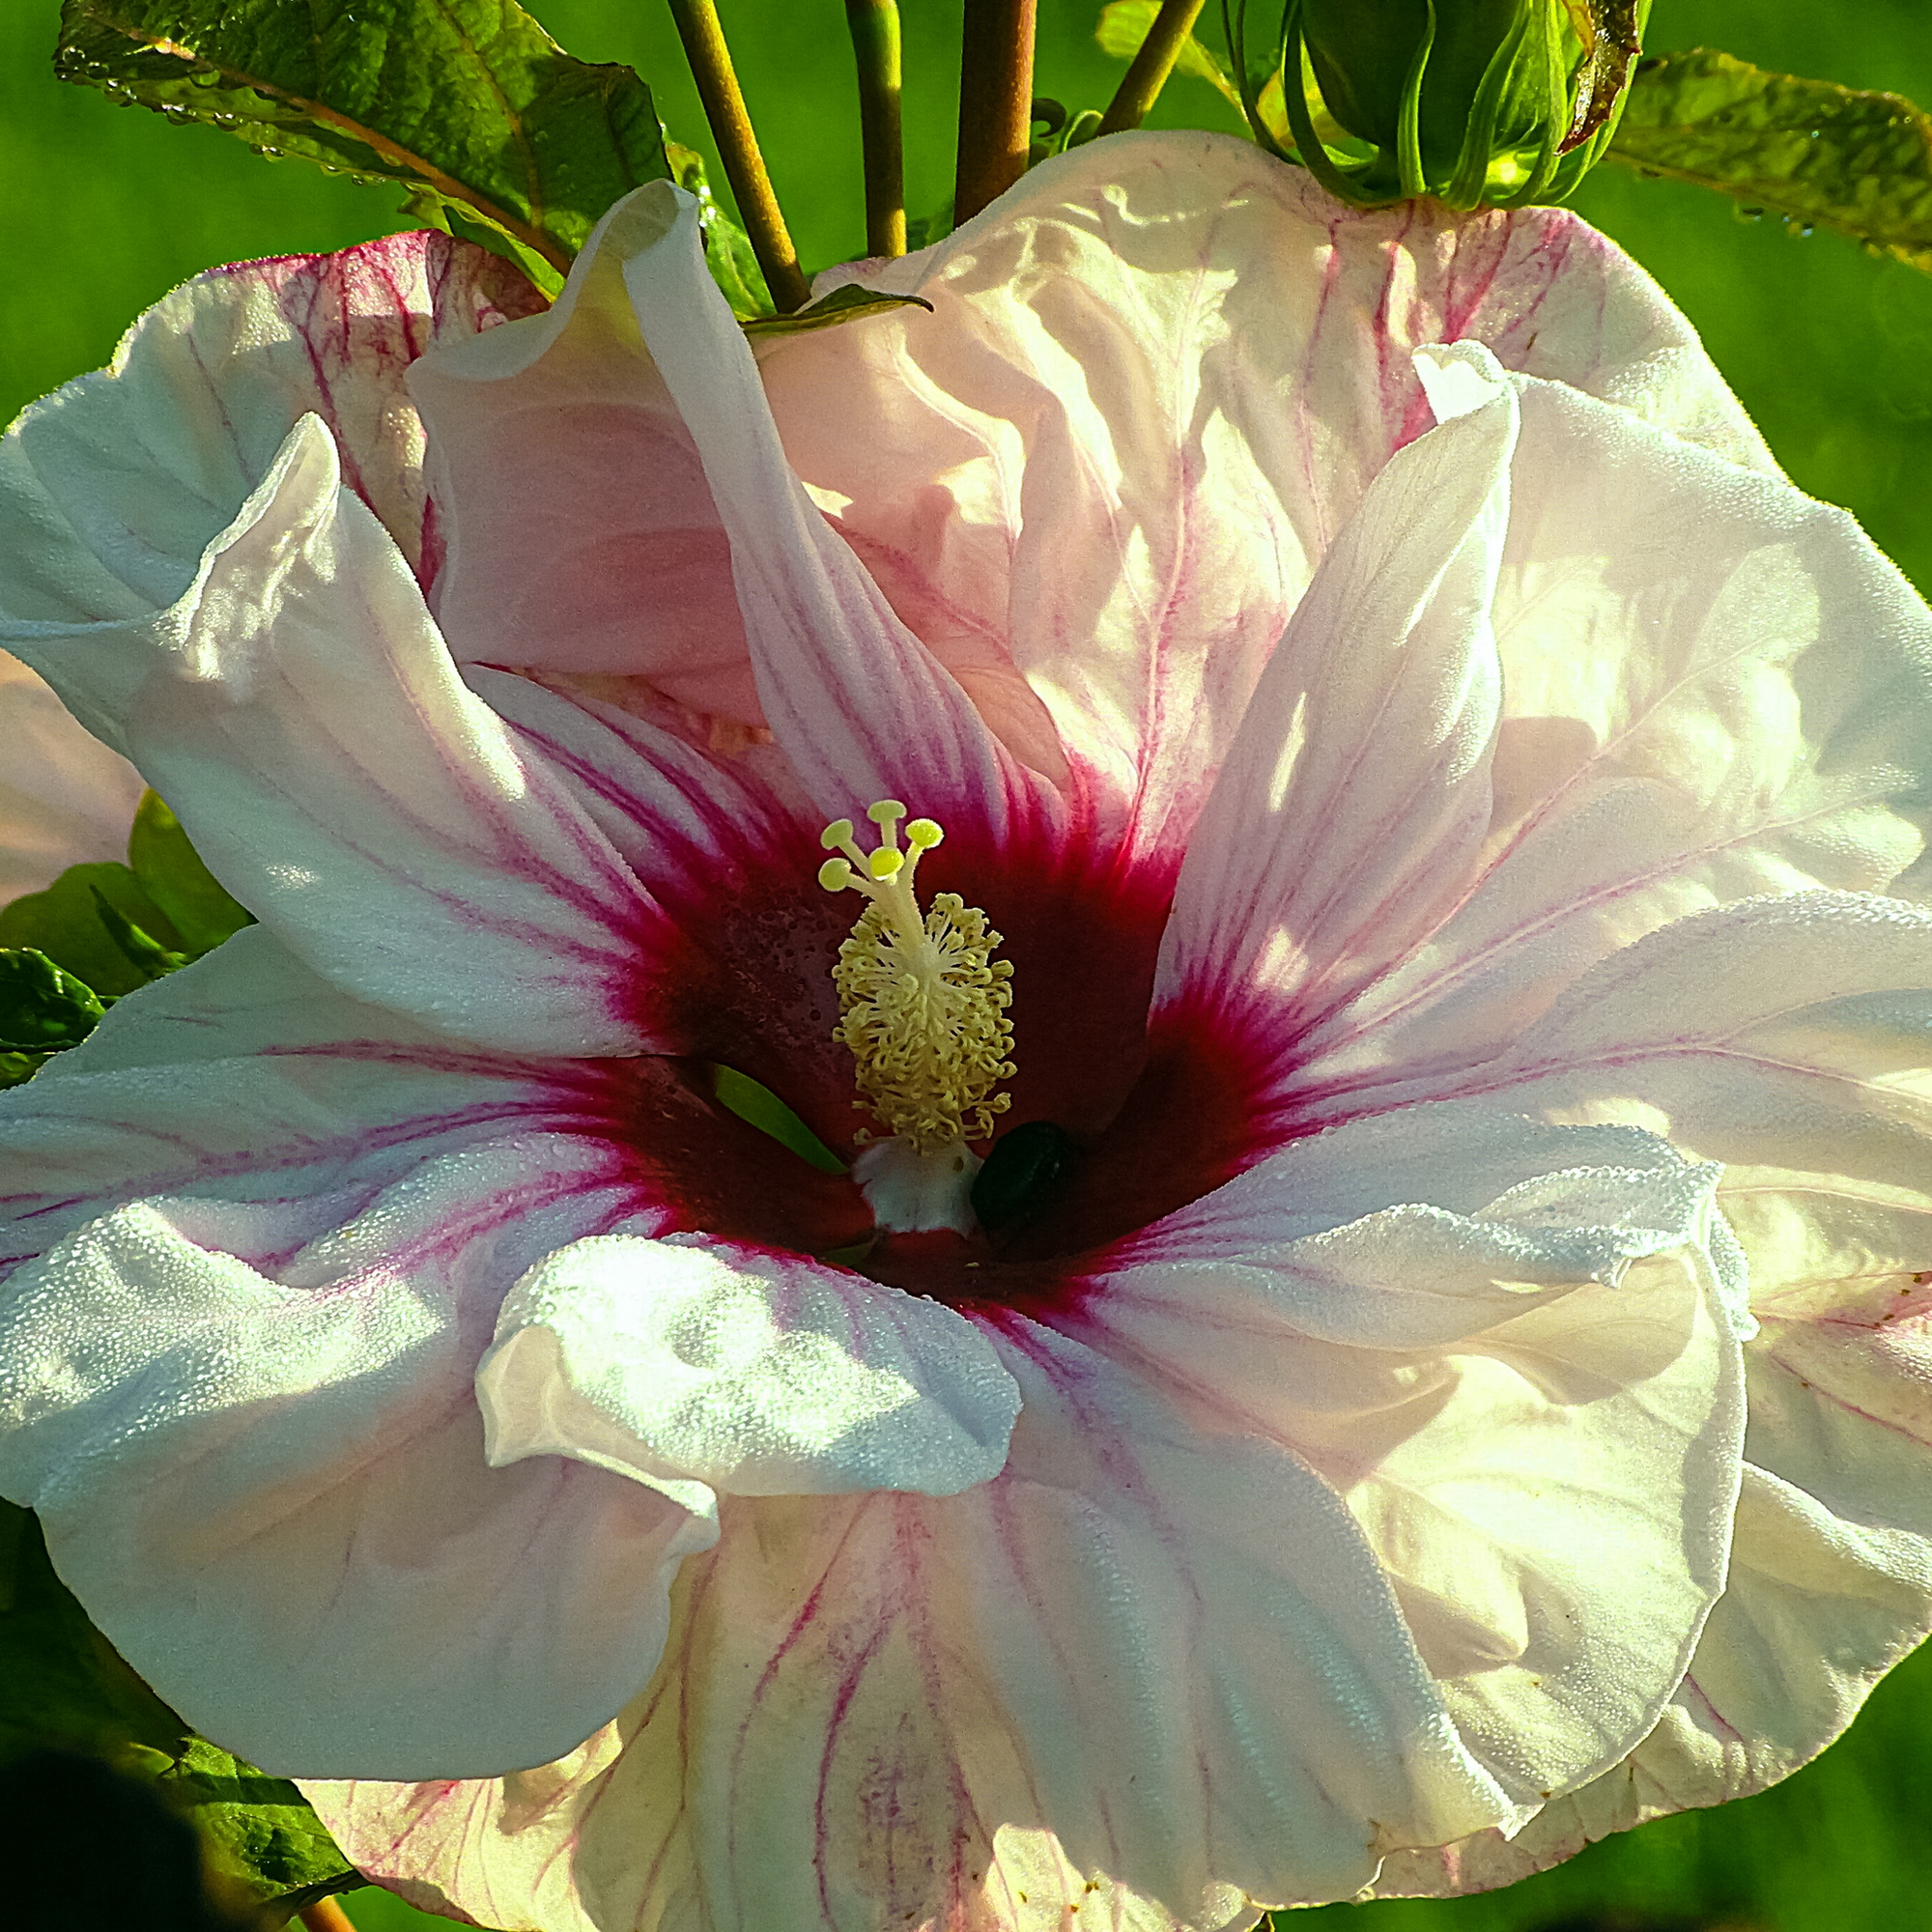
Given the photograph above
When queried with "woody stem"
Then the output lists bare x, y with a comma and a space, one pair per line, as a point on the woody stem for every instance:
995, 102
705, 47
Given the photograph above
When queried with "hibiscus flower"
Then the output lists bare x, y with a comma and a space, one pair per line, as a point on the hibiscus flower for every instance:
1391, 805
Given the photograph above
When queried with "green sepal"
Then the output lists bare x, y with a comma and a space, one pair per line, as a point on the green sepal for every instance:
64, 922
42, 1009
1809, 150
755, 1104
64, 1686
201, 910
847, 302
469, 104
727, 249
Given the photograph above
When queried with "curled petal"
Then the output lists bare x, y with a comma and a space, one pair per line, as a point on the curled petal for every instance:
580, 531
298, 709
250, 1433
695, 1370
839, 676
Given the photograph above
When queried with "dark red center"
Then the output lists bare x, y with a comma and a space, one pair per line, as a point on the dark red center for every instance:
1156, 1115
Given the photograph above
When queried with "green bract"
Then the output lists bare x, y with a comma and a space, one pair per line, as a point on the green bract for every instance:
1478, 102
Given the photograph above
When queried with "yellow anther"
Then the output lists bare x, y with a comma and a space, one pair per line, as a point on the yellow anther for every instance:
922, 1005
838, 833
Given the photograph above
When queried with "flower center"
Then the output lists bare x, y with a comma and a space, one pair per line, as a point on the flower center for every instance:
921, 1003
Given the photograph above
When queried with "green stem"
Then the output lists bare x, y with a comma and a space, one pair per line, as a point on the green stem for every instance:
738, 148
876, 45
1141, 87
995, 102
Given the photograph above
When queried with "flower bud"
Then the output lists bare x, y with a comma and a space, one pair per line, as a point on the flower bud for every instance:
1475, 101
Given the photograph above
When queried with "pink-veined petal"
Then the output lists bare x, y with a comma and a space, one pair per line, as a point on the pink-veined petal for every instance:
65, 797
1159, 376
1356, 793
1788, 1040
246, 1075
250, 1434
111, 488
1144, 1672
581, 532
683, 1364
1512, 1348
857, 703
300, 714
729, 850
1713, 689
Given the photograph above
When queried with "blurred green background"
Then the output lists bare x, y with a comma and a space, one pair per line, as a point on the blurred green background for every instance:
105, 208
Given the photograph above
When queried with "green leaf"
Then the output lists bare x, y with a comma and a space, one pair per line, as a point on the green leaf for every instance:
467, 103
64, 922
754, 1102
42, 1009
18, 1068
845, 304
171, 873
1125, 24
259, 1830
1809, 150
727, 249
62, 1684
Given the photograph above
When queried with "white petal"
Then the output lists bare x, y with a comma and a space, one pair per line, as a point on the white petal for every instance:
250, 1433
299, 713
1144, 1671
1356, 793
1786, 1037
840, 677
245, 1074
1159, 375
111, 489
685, 1365
1713, 689
1532, 1399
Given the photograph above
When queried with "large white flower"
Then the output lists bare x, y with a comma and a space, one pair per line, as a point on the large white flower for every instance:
1435, 805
